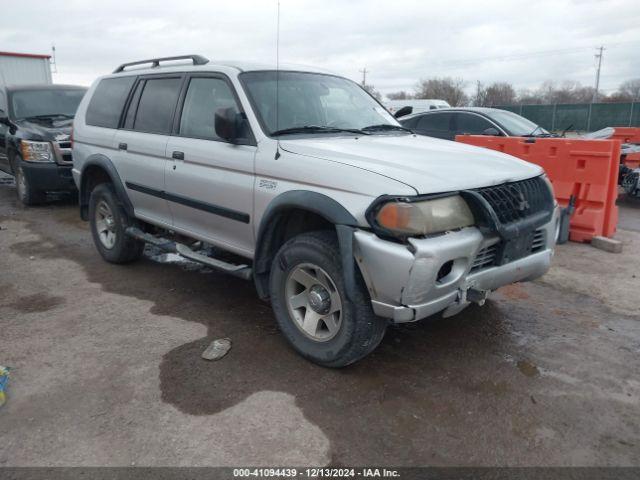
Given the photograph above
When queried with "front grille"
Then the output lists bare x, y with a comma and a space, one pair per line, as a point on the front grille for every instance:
489, 256
485, 258
518, 200
63, 152
538, 242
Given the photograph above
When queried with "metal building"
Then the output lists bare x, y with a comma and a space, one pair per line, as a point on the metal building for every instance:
24, 68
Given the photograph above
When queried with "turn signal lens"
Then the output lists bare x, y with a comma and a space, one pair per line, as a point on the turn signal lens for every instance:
426, 217
395, 216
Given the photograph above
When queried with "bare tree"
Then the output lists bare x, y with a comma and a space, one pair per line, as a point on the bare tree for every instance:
401, 95
630, 89
372, 90
447, 88
529, 97
568, 92
498, 93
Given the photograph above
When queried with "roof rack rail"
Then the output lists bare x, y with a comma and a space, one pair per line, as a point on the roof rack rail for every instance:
155, 62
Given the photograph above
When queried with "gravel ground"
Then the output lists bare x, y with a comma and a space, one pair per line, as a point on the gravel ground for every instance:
106, 366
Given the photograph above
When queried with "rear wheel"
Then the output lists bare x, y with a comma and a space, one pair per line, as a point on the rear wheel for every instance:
26, 193
311, 307
109, 222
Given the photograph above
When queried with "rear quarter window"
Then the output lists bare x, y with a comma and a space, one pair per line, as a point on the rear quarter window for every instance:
108, 100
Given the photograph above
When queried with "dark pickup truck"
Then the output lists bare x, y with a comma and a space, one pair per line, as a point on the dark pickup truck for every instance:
35, 138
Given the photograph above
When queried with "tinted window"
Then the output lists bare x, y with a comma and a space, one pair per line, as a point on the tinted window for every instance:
410, 122
46, 102
471, 123
107, 102
157, 104
438, 122
204, 98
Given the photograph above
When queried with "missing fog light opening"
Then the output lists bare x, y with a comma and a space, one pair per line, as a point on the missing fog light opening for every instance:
444, 270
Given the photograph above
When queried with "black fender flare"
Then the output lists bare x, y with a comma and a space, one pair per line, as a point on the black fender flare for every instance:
99, 160
314, 202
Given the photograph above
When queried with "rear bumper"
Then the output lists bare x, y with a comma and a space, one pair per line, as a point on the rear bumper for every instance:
48, 176
408, 282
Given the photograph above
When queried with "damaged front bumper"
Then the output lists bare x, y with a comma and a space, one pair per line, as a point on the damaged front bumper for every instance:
408, 282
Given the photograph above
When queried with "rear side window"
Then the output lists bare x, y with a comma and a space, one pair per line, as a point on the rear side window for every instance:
157, 105
438, 122
108, 101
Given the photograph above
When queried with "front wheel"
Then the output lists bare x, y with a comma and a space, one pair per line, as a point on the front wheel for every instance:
109, 222
311, 307
27, 195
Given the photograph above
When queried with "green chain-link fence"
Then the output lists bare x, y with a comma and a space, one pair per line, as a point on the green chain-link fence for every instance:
583, 117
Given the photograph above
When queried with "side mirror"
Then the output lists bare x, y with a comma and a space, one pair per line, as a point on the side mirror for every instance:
4, 120
228, 124
492, 132
403, 111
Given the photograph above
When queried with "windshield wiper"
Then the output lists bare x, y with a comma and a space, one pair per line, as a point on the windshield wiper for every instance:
385, 126
533, 133
316, 129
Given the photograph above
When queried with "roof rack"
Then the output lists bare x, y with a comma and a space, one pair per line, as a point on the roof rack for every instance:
155, 62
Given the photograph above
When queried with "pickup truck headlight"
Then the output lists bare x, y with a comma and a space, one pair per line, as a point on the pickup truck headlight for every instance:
36, 151
406, 218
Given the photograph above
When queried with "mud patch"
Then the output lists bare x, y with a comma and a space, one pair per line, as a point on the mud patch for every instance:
39, 302
527, 368
514, 292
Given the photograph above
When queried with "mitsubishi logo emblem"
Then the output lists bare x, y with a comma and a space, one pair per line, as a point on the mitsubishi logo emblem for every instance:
522, 202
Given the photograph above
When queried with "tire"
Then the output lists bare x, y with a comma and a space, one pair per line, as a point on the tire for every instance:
27, 195
109, 222
341, 337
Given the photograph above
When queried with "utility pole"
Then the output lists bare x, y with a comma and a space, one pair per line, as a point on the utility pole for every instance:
599, 57
364, 76
478, 88
52, 60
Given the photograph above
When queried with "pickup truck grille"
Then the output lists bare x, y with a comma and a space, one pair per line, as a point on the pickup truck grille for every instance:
517, 200
63, 152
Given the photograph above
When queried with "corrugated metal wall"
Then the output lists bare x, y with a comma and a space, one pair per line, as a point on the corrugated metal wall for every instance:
584, 117
24, 70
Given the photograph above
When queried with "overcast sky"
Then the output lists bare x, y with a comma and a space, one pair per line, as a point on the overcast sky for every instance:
399, 41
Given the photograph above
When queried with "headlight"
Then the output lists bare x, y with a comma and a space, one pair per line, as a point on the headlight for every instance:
424, 217
36, 151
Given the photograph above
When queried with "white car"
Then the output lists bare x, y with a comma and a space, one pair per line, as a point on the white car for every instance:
415, 106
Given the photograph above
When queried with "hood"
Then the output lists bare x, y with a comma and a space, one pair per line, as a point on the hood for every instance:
45, 130
429, 165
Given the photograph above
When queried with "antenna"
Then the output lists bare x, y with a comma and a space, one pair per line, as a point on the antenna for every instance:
278, 82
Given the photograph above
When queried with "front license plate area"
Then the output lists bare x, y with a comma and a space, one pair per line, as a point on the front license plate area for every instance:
516, 248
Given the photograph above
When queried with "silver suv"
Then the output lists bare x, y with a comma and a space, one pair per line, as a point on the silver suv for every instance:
302, 182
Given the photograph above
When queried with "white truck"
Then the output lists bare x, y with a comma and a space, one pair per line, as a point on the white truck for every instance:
24, 69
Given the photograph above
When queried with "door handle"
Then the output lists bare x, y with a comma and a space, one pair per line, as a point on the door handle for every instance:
177, 155
122, 146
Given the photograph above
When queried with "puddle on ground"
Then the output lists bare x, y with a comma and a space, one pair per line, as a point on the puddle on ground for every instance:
527, 368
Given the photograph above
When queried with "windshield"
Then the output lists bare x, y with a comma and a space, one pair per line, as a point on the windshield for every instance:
312, 100
46, 102
515, 125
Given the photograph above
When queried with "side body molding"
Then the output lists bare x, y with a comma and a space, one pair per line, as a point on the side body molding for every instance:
99, 161
272, 223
